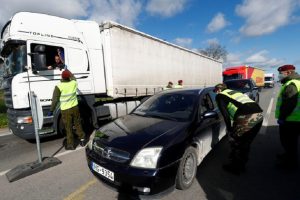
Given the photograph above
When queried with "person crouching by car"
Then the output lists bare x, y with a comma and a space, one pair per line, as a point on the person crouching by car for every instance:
243, 118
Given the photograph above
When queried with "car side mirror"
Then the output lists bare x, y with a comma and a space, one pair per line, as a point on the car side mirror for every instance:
39, 58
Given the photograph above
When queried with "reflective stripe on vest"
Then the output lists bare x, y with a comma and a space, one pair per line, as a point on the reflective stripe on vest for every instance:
178, 86
238, 96
295, 115
68, 97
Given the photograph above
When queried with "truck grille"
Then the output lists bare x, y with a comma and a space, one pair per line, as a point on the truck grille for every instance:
111, 153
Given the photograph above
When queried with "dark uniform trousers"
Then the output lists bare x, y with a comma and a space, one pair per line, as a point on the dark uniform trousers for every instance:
289, 132
71, 117
240, 146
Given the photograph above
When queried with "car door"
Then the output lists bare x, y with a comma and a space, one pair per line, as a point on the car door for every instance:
207, 132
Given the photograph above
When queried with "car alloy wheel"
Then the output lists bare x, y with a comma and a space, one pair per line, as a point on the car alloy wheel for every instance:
187, 169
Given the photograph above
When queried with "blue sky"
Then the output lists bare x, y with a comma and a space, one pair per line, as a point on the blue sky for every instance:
262, 33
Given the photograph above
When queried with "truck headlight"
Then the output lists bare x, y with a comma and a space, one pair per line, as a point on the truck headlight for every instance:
24, 120
146, 158
91, 141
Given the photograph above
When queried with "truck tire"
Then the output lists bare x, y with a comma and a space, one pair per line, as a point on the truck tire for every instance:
187, 169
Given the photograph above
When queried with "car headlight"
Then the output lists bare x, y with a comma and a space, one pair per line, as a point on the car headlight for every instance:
146, 158
91, 141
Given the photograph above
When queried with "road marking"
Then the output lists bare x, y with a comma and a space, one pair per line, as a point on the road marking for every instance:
79, 193
58, 155
4, 134
4, 172
267, 116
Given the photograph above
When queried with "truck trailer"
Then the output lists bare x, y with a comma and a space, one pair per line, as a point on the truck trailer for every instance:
114, 65
245, 72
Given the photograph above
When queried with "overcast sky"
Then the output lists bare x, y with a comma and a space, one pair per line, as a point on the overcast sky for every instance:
262, 33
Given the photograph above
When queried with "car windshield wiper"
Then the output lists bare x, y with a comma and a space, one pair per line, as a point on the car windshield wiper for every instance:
160, 116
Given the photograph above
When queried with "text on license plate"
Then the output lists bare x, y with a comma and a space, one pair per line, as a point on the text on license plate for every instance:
102, 171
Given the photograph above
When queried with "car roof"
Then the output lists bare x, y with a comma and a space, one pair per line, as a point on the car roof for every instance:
188, 90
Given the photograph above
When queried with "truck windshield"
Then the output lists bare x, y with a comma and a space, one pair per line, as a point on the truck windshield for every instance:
15, 61
232, 77
268, 78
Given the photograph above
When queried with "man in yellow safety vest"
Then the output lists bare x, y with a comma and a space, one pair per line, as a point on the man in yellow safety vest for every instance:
65, 94
243, 118
288, 115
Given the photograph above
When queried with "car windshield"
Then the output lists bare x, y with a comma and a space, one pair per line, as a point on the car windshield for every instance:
172, 106
15, 62
239, 85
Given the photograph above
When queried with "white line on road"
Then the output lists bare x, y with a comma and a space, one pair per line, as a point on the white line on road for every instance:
58, 155
267, 116
5, 134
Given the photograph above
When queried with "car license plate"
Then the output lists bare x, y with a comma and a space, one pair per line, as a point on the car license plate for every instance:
102, 171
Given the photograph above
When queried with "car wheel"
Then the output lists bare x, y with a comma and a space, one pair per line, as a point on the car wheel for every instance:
187, 169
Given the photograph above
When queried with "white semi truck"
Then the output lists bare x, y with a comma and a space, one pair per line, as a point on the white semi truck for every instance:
112, 63
269, 80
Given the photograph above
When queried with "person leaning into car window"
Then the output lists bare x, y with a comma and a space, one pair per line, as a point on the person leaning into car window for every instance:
243, 118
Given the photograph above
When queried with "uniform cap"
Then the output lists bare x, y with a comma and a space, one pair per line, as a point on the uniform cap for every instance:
180, 81
286, 68
170, 82
66, 74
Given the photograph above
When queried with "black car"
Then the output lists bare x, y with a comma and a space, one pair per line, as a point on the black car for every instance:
246, 86
159, 144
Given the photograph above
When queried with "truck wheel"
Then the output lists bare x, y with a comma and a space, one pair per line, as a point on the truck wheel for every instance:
187, 169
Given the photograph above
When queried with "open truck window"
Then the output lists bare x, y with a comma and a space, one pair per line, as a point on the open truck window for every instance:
54, 55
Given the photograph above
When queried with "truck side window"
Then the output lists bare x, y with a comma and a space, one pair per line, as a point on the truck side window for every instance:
78, 60
55, 56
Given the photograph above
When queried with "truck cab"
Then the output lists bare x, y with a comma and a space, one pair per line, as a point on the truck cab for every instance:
269, 80
29, 50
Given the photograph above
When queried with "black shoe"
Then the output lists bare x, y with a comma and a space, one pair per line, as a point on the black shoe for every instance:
83, 142
69, 147
233, 169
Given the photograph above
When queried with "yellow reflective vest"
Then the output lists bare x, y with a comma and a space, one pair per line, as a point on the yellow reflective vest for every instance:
68, 97
238, 96
295, 115
178, 86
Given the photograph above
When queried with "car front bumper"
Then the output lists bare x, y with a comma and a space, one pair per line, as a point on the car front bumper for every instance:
140, 181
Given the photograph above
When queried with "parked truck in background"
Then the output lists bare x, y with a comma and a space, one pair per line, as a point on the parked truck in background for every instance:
269, 80
245, 72
113, 64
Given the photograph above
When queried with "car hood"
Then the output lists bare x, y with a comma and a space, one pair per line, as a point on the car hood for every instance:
133, 132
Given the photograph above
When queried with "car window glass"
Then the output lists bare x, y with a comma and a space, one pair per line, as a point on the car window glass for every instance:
206, 103
178, 106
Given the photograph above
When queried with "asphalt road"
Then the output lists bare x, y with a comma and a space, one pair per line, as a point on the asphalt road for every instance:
72, 179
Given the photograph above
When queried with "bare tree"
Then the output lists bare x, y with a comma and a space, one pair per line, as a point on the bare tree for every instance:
215, 50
